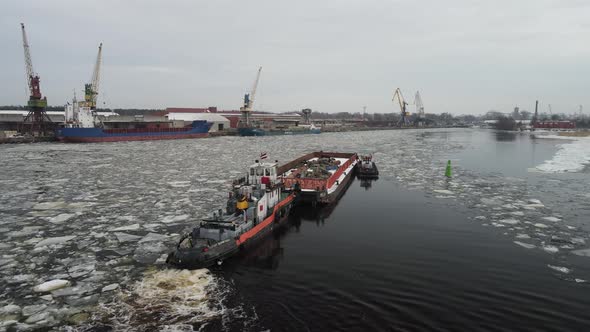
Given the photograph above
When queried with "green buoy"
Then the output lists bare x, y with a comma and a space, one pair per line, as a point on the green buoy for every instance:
448, 172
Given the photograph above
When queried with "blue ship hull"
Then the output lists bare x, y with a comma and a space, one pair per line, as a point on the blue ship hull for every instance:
198, 129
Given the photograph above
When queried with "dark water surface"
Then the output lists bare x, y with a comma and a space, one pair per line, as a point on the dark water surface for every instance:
501, 246
390, 259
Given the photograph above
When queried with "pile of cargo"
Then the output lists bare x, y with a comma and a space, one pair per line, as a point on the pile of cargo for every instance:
318, 168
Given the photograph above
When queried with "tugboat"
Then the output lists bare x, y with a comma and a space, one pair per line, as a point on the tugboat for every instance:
255, 206
367, 168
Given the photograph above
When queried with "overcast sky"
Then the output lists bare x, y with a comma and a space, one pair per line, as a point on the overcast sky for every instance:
464, 56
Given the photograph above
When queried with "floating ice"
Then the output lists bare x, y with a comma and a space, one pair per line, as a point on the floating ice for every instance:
124, 237
61, 218
539, 225
153, 237
55, 240
173, 219
550, 249
49, 205
509, 221
10, 309
51, 285
490, 201
559, 268
582, 252
110, 287
525, 245
38, 317
78, 290
33, 309
571, 157
179, 184
551, 219
578, 240
522, 236
133, 227
443, 191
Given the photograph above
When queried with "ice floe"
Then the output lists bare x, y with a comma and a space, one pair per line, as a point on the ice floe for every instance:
174, 219
551, 219
572, 156
55, 240
550, 249
132, 227
582, 252
525, 245
559, 268
51, 285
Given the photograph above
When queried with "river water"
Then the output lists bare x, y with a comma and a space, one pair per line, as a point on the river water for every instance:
503, 245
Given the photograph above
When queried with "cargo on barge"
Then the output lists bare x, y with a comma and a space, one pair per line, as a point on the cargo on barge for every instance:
319, 177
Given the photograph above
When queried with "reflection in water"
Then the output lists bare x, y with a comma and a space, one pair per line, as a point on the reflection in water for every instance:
505, 136
367, 183
267, 253
307, 213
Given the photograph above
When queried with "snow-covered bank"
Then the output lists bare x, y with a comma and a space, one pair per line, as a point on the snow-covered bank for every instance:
572, 156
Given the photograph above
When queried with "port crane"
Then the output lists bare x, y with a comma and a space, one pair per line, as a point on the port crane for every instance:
91, 89
397, 95
37, 122
249, 100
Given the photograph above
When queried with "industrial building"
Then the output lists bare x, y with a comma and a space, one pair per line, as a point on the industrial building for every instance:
268, 119
219, 123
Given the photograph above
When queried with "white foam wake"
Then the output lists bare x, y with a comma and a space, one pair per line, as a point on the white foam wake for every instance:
571, 157
176, 299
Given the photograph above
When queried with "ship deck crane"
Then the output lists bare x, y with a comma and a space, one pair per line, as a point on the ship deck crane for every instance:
402, 105
37, 122
419, 105
91, 89
420, 117
249, 100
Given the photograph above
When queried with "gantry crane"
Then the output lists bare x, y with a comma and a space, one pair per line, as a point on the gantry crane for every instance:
249, 101
404, 121
91, 89
37, 122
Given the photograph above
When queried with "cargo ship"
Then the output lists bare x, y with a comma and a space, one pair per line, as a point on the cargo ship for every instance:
155, 131
84, 126
320, 177
260, 203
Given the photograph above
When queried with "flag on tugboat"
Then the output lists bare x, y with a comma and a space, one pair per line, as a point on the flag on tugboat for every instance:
263, 155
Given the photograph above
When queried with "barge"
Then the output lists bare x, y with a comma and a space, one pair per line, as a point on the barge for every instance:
319, 177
